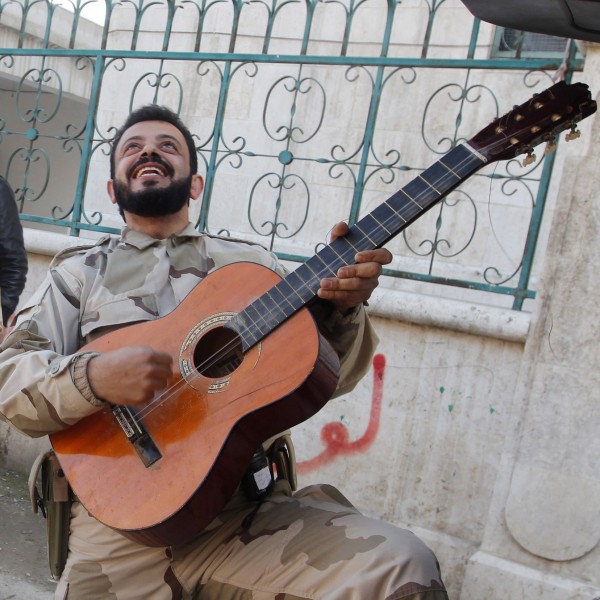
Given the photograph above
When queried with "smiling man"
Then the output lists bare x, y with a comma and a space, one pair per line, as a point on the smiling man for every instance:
146, 185
310, 543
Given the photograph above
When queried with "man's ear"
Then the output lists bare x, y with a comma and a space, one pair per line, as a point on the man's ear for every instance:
111, 191
196, 187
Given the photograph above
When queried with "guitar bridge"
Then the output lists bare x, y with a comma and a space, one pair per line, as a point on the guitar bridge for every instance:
136, 433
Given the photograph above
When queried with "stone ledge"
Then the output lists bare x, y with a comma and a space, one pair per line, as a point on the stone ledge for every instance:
464, 317
47, 243
420, 309
490, 576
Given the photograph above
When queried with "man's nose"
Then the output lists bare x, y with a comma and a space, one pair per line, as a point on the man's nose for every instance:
149, 149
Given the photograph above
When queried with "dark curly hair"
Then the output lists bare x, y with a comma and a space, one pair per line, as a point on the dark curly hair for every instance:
154, 112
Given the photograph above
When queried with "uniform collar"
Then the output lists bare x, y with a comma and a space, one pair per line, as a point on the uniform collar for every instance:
141, 240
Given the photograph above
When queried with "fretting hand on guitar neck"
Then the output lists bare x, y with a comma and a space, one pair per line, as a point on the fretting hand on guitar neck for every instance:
354, 283
160, 361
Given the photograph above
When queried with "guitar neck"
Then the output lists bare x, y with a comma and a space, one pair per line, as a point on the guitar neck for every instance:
372, 231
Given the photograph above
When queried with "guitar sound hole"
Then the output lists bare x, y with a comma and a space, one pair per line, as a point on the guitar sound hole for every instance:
218, 353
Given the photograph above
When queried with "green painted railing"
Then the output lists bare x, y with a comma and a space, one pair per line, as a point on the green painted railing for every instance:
304, 113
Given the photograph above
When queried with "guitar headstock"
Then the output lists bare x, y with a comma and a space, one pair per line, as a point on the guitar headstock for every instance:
540, 119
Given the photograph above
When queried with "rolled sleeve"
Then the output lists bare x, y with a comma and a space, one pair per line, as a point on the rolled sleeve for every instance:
43, 381
353, 338
78, 369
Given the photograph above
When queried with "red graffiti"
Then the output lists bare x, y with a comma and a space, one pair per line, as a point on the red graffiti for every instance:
335, 435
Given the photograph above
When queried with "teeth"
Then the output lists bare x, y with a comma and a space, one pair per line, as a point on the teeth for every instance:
149, 171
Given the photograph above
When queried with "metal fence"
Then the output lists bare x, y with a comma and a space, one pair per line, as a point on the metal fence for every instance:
304, 113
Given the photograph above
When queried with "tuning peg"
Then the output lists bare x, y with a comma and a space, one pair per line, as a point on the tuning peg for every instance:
529, 159
550, 146
573, 134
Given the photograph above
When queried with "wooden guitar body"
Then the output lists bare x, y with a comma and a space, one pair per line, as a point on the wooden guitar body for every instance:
206, 428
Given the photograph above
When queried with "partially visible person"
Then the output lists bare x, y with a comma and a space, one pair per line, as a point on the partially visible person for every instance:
13, 256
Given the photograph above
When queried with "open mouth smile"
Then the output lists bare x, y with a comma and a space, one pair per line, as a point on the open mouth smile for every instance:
150, 169
146, 170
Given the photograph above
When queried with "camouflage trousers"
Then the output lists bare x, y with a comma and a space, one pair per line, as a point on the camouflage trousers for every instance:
309, 544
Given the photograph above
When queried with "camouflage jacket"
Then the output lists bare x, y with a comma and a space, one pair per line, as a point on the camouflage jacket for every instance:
118, 281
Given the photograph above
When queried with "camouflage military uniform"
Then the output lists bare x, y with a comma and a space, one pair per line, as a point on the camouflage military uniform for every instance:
307, 544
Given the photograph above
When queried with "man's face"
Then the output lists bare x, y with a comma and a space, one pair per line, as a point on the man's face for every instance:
152, 170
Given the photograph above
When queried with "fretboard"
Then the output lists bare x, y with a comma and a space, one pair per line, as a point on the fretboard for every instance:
374, 230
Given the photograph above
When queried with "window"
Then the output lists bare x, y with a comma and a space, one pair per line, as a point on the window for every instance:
512, 43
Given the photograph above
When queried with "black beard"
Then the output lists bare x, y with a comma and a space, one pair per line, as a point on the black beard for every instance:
153, 201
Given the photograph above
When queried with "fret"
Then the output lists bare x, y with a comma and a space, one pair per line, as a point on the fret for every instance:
281, 299
379, 223
359, 228
450, 169
409, 197
299, 285
353, 241
382, 224
387, 220
439, 179
316, 275
273, 310
263, 315
429, 184
257, 320
334, 256
242, 324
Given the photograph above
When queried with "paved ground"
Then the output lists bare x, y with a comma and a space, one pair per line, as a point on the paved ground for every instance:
24, 573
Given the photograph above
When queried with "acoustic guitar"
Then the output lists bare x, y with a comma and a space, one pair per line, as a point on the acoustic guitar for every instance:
251, 360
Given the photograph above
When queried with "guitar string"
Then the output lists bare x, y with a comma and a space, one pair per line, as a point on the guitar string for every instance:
448, 177
449, 174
